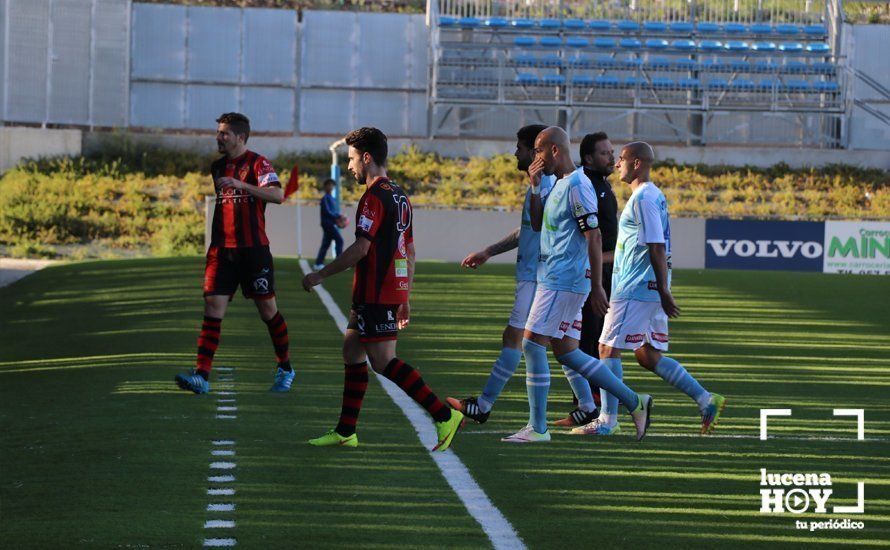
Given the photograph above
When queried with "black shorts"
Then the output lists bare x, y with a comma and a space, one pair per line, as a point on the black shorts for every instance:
249, 267
374, 322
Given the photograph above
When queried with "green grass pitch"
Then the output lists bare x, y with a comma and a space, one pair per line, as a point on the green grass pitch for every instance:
99, 449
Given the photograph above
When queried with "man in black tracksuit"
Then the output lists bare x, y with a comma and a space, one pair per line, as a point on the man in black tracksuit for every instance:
598, 160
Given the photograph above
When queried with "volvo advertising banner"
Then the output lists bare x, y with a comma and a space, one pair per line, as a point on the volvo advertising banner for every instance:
765, 245
857, 247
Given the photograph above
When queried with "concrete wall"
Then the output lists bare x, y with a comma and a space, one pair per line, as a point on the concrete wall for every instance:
446, 235
17, 143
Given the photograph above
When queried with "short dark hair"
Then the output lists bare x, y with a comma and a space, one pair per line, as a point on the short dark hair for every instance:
239, 124
527, 134
369, 140
588, 144
327, 182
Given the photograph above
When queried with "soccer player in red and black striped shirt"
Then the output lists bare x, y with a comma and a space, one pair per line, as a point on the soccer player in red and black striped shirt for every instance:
239, 250
383, 256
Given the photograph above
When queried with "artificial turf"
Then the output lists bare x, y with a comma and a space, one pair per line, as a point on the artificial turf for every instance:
99, 449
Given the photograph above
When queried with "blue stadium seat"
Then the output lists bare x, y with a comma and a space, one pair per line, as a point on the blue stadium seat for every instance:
655, 26
737, 46
768, 84
525, 60
633, 82
468, 22
707, 28
734, 28
788, 30
495, 23
628, 26
573, 24
658, 63
606, 81
713, 66
580, 61
684, 45
819, 47
710, 45
742, 84
631, 63
765, 67
550, 42
822, 67
717, 84
761, 28
524, 41
599, 25
522, 23
527, 79
662, 82
739, 66
446, 21
683, 27
796, 86
689, 83
795, 67
630, 43
550, 60
606, 62
577, 42
550, 24
604, 43
826, 87
683, 64
816, 30
582, 80
553, 79
764, 46
791, 47
656, 44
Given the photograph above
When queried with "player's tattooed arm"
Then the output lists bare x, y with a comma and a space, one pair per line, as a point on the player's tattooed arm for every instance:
509, 242
658, 257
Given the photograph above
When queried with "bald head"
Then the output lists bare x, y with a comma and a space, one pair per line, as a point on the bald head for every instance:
553, 148
635, 161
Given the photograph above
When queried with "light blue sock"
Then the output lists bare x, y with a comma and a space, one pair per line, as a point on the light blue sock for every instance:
608, 401
598, 374
674, 374
503, 368
537, 382
581, 387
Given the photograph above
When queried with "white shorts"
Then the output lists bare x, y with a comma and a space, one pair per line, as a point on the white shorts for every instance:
630, 323
556, 313
525, 294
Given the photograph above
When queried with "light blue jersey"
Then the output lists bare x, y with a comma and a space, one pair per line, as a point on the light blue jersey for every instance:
570, 210
529, 239
643, 221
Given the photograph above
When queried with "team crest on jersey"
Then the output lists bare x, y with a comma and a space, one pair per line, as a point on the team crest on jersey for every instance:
403, 250
244, 172
386, 187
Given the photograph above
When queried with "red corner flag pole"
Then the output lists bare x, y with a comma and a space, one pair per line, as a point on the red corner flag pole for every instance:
293, 185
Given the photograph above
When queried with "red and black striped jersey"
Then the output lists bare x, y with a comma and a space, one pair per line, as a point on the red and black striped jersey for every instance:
384, 217
239, 219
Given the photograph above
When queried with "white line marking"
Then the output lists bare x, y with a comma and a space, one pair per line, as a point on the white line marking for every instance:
221, 442
219, 524
227, 392
220, 492
225, 369
477, 503
222, 453
226, 416
220, 507
695, 436
221, 479
226, 379
766, 413
222, 465
860, 419
225, 400
226, 409
215, 543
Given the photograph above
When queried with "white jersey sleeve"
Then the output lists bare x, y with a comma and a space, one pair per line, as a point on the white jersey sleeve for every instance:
583, 204
649, 218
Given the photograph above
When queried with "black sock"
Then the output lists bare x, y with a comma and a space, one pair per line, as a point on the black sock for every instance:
285, 366
203, 374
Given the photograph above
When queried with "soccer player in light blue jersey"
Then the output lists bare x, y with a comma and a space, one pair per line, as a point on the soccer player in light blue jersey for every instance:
571, 258
527, 239
641, 295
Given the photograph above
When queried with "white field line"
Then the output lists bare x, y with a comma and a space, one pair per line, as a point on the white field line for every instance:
477, 503
219, 543
696, 436
222, 448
